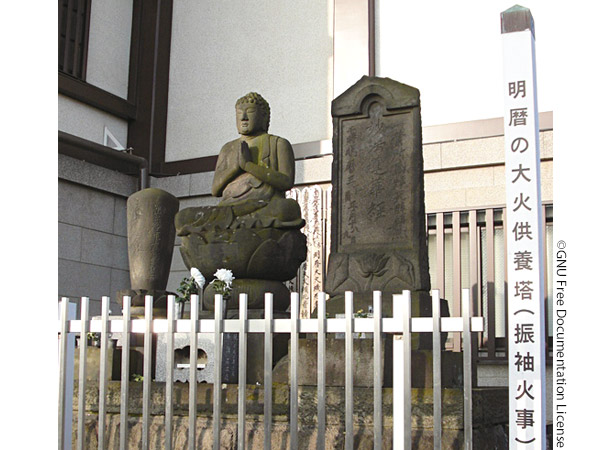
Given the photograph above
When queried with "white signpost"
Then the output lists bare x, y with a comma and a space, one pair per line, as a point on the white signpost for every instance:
526, 333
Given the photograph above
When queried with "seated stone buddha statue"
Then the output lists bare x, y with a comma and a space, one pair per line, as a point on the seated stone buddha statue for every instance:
254, 227
252, 175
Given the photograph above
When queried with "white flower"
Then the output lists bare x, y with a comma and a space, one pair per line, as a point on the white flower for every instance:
198, 277
224, 275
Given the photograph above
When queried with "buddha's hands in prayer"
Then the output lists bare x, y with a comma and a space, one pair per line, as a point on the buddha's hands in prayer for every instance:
244, 155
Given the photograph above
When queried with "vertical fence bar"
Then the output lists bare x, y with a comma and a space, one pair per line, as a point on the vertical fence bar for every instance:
268, 378
467, 336
321, 371
491, 283
505, 231
440, 253
169, 370
63, 349
349, 370
436, 367
457, 272
126, 341
473, 257
146, 388
294, 382
398, 397
218, 329
406, 337
82, 371
243, 360
377, 375
101, 432
549, 343
193, 371
474, 282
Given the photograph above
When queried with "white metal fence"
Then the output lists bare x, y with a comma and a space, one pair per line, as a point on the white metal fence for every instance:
401, 324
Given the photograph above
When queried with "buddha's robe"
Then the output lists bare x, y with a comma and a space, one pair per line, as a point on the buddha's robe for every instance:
250, 199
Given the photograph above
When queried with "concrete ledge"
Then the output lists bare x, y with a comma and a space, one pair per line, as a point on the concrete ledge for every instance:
97, 177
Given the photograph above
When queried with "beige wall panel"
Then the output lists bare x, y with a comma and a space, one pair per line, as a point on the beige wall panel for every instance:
485, 196
472, 152
445, 200
546, 144
499, 176
432, 156
546, 181
459, 179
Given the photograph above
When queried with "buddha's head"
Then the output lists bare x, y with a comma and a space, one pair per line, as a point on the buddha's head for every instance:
252, 114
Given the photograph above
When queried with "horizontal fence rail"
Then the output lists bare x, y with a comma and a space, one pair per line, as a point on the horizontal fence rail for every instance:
401, 326
391, 325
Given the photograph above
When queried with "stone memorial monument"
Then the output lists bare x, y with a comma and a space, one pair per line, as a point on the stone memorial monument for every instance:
254, 229
378, 235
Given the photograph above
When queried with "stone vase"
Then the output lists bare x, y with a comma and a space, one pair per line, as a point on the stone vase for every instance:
150, 238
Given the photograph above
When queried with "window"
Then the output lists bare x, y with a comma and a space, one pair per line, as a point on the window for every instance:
73, 36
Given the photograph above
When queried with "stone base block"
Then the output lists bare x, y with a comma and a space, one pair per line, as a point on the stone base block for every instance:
335, 362
421, 361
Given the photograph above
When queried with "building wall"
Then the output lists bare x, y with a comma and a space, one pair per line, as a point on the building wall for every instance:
88, 122
107, 68
92, 231
470, 173
109, 45
222, 50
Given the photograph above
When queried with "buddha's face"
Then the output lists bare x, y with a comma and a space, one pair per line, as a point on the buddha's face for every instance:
250, 119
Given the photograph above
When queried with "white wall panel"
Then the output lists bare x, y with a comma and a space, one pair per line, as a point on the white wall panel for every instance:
220, 51
109, 42
87, 122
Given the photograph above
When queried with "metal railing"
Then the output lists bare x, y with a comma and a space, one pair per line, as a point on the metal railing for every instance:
400, 325
470, 252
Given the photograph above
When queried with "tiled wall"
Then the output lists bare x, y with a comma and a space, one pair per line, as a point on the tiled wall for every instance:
470, 173
92, 231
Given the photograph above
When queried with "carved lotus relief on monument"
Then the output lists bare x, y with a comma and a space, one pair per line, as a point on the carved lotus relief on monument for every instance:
363, 272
